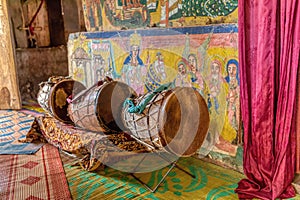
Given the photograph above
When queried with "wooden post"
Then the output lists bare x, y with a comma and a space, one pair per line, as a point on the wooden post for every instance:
9, 90
71, 17
18, 23
56, 23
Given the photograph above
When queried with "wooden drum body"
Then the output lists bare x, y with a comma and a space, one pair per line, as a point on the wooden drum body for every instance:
53, 95
176, 120
98, 108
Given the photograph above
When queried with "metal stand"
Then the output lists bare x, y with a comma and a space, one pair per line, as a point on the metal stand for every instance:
163, 178
172, 165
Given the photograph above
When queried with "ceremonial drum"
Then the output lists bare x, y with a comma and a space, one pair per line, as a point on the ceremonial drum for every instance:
98, 108
53, 95
175, 120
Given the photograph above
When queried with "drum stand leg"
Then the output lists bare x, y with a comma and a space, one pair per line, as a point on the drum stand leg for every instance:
177, 166
192, 175
174, 164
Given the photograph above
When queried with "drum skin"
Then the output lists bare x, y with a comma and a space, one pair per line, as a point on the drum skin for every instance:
98, 108
184, 121
53, 96
175, 120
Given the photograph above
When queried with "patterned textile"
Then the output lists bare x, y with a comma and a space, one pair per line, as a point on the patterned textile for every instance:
211, 183
32, 108
33, 177
13, 127
97, 147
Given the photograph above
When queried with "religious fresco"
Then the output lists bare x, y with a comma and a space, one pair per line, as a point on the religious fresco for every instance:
130, 14
204, 58
102, 59
115, 15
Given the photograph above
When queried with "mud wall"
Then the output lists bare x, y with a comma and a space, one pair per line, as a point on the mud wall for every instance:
35, 65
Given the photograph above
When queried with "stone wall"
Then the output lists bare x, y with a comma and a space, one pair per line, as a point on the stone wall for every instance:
35, 65
42, 52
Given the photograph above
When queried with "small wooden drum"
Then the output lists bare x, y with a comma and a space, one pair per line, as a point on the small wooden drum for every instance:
175, 120
98, 108
53, 94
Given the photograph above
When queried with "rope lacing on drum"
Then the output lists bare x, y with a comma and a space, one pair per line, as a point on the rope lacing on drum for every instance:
132, 108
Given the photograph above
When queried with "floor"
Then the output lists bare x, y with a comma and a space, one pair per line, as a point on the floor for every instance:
69, 160
296, 183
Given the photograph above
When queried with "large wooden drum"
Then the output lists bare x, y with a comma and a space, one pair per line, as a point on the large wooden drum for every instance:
98, 108
53, 95
175, 120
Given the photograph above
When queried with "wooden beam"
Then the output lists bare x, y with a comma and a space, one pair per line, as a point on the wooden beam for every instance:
9, 90
56, 23
18, 23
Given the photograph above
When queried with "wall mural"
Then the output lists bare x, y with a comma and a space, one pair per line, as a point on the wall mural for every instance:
204, 58
129, 14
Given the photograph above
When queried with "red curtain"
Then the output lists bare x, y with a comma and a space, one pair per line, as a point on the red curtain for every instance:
269, 37
298, 124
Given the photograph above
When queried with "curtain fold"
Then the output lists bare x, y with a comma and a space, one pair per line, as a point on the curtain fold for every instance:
298, 124
269, 58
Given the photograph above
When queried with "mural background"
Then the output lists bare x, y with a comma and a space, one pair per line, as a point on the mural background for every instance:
129, 14
204, 58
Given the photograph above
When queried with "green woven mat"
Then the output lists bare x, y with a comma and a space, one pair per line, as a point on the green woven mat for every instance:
211, 182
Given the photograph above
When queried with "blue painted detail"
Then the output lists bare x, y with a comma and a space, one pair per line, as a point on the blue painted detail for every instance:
165, 32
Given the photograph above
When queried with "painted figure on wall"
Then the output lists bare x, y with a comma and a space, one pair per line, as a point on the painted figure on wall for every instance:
132, 14
233, 99
196, 77
98, 68
156, 74
100, 74
101, 58
159, 67
215, 81
182, 79
196, 63
125, 14
134, 70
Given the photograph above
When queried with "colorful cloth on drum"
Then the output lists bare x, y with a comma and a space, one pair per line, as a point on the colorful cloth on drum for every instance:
132, 108
13, 127
97, 148
33, 177
211, 183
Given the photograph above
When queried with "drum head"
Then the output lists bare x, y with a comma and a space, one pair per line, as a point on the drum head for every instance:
58, 98
184, 121
110, 103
